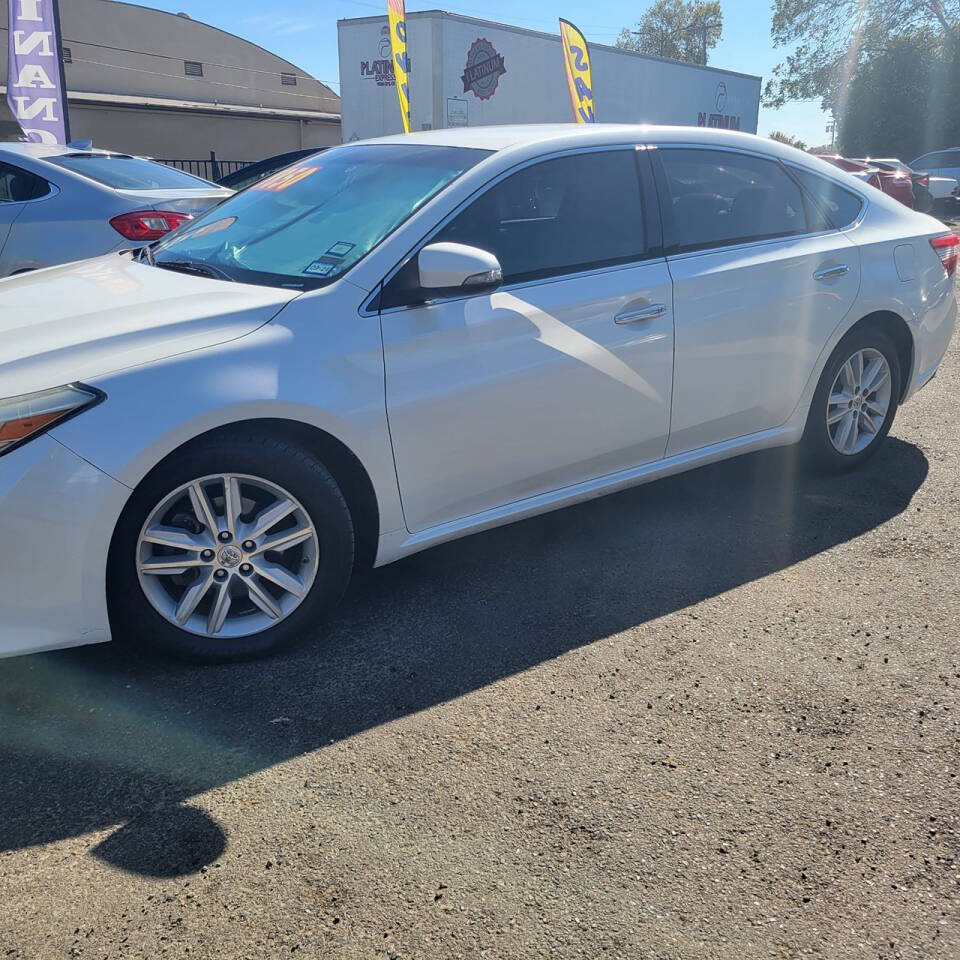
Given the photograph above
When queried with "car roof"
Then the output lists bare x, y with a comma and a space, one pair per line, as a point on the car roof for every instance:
528, 134
43, 151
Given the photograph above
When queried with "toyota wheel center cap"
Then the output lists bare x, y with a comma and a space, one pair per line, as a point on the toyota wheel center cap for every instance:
230, 556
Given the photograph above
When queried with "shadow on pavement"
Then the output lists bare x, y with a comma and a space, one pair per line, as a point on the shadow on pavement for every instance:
91, 738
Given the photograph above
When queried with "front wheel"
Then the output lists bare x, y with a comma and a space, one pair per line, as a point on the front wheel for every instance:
230, 549
855, 401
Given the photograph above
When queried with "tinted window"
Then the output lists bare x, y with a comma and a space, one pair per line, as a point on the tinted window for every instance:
306, 224
717, 198
951, 158
128, 173
17, 185
840, 206
559, 216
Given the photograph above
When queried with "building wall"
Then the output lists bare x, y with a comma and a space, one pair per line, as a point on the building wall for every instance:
123, 50
169, 134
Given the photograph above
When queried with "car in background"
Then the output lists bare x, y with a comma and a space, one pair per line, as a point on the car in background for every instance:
940, 163
895, 183
927, 189
59, 204
412, 339
255, 172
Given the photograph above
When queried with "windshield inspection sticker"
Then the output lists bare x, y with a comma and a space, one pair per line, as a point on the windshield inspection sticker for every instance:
320, 269
340, 249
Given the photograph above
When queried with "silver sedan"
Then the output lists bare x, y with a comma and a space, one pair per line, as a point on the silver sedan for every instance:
59, 204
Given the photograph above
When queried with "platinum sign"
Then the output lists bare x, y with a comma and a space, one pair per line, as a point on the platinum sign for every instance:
34, 82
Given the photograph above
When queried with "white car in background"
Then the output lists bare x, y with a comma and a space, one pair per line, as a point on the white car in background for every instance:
940, 163
404, 341
59, 203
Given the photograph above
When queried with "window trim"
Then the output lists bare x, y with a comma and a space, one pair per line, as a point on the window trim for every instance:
52, 191
652, 226
663, 191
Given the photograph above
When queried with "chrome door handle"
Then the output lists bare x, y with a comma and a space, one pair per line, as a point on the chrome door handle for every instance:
646, 313
828, 273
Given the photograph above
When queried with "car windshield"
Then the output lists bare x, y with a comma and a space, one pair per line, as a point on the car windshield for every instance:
128, 173
310, 222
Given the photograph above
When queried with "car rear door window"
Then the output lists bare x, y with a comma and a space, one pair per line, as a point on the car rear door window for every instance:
17, 185
840, 206
557, 217
716, 198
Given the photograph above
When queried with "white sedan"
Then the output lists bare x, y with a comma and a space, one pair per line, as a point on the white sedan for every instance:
400, 342
60, 203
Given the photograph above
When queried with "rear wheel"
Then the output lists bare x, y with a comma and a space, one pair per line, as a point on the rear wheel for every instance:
230, 549
855, 401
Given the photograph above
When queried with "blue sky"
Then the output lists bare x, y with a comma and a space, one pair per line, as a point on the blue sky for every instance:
305, 32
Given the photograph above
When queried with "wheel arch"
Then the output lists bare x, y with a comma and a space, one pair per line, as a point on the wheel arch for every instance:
895, 327
346, 467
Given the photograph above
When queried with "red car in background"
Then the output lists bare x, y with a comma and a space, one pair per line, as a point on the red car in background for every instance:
896, 183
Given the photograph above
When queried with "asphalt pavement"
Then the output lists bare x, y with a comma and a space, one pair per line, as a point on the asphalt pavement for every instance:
713, 716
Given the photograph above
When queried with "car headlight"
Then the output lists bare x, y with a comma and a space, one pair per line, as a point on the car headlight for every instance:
22, 418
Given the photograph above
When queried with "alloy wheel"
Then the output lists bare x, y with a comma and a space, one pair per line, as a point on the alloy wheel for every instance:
859, 401
227, 555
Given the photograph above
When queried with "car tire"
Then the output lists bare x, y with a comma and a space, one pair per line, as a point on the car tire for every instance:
277, 588
863, 374
923, 201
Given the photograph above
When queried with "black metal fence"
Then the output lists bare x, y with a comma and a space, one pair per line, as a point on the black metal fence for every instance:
212, 169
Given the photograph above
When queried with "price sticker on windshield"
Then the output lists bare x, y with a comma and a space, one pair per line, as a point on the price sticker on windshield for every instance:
284, 179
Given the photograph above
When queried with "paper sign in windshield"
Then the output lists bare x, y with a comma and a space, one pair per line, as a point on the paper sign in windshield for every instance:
284, 179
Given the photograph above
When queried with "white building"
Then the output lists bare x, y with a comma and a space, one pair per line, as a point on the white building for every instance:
472, 72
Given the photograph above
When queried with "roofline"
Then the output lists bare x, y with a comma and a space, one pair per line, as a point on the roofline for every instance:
426, 14
226, 33
132, 101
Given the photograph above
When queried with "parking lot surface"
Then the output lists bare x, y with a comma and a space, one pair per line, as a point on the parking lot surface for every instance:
714, 716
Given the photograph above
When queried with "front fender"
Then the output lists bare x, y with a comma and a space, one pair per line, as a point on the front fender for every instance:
278, 372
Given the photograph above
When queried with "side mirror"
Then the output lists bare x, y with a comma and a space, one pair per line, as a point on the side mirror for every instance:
457, 267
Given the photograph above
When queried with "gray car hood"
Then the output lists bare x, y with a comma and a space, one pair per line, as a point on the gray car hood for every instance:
87, 319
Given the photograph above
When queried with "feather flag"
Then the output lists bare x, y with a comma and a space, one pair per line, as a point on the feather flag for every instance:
576, 60
401, 63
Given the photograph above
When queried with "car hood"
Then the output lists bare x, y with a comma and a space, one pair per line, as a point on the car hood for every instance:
88, 319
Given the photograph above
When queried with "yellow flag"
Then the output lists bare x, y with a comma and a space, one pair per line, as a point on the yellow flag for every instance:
576, 60
401, 63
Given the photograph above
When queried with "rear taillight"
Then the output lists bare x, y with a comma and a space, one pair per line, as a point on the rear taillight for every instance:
148, 224
947, 249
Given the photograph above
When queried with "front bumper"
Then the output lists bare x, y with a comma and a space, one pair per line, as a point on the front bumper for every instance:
57, 515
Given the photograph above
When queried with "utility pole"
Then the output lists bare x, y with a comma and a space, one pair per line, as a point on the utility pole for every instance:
705, 29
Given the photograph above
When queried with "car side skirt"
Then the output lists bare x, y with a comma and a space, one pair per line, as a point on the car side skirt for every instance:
398, 544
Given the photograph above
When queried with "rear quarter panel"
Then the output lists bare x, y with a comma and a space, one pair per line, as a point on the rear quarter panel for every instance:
923, 296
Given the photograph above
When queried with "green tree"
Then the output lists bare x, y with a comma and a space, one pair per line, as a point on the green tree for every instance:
781, 137
901, 100
677, 29
830, 38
